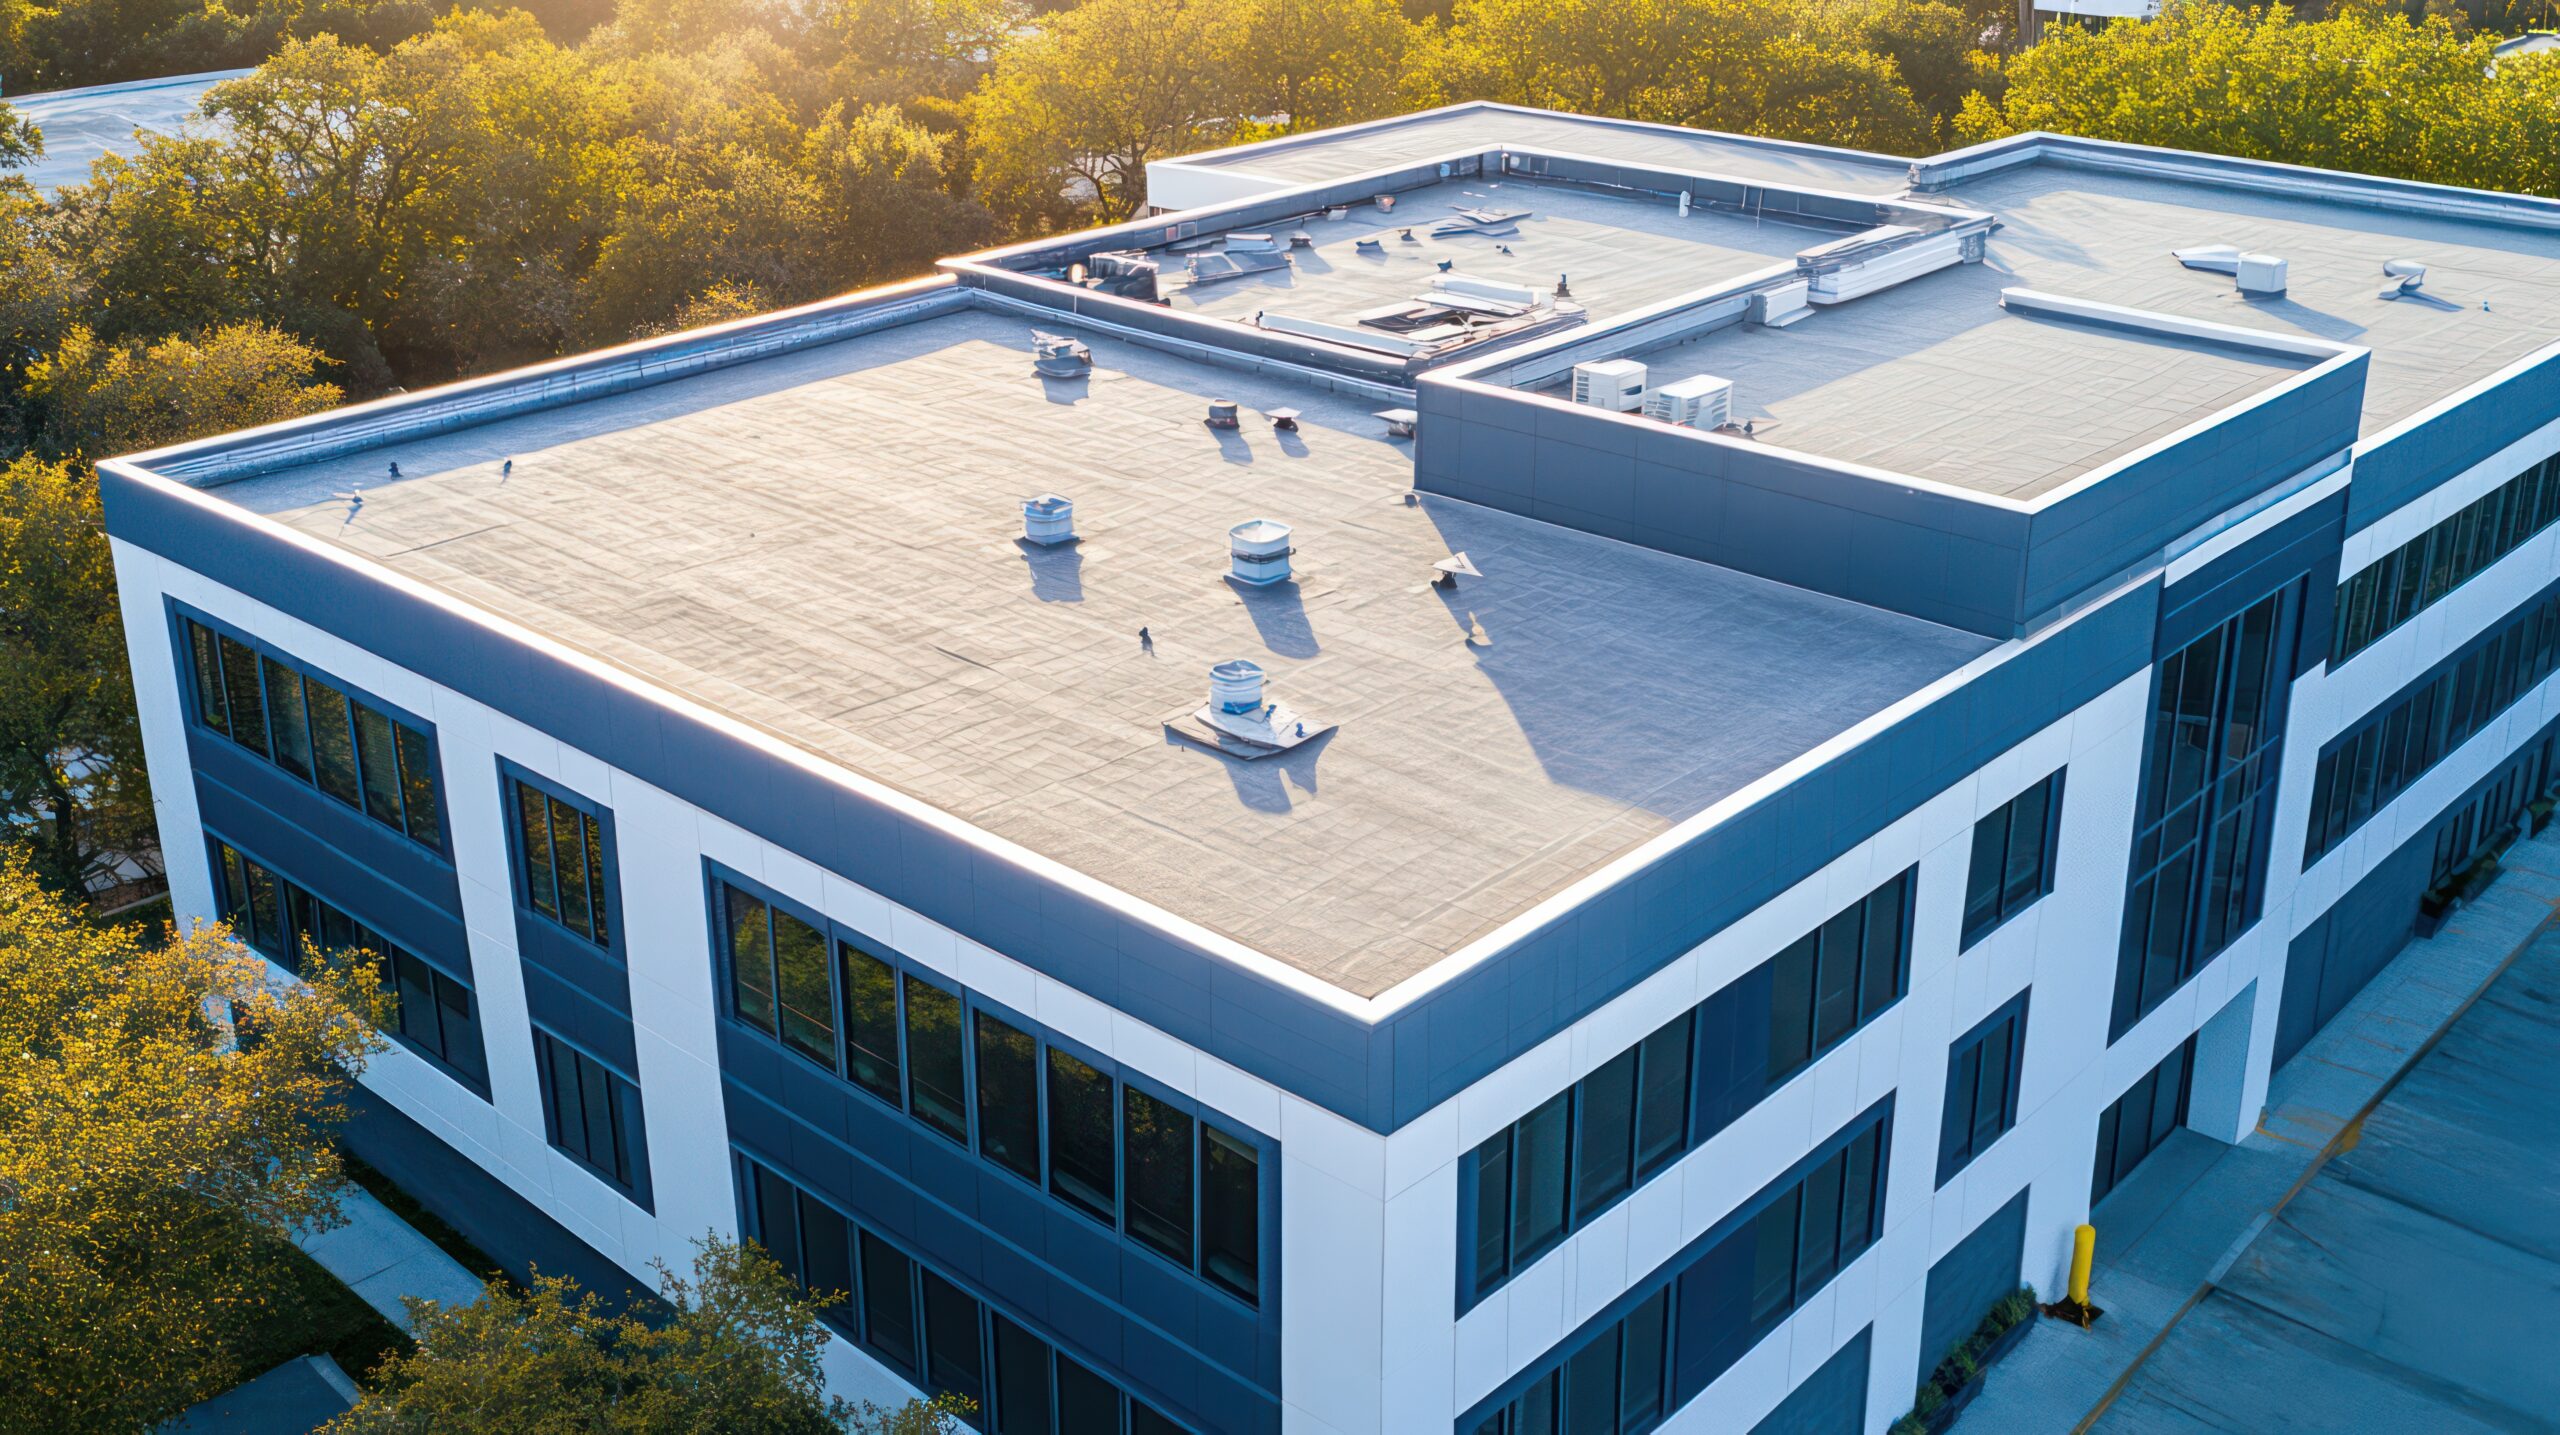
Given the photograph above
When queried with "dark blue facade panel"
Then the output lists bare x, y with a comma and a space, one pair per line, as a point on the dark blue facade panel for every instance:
2466, 433
2309, 542
573, 1013
1380, 1076
373, 874
1146, 1324
2126, 519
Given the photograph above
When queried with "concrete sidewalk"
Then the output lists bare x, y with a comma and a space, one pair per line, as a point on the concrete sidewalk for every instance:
383, 1258
2188, 1217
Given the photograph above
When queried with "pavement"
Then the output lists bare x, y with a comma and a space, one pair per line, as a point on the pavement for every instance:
383, 1258
2380, 1255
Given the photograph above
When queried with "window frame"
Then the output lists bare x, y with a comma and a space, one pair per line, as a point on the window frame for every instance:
2013, 1012
512, 776
630, 1113
2003, 909
2467, 542
1045, 1038
191, 702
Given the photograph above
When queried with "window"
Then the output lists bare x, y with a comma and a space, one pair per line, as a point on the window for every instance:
2207, 803
349, 749
561, 868
2141, 1119
932, 1330
1584, 1149
2397, 586
1184, 1184
2402, 739
433, 1012
1616, 1376
594, 1116
1982, 1087
2012, 858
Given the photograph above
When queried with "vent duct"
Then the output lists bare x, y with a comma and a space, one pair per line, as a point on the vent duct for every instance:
1048, 520
1258, 552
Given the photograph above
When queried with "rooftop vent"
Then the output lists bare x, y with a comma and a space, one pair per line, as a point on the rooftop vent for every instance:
1609, 384
2262, 276
1222, 413
1703, 401
1779, 305
2210, 258
2401, 277
1258, 552
1048, 520
1060, 357
1400, 422
1235, 686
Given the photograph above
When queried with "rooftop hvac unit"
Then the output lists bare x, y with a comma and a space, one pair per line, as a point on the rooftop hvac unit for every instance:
1703, 401
1609, 384
2262, 276
1779, 305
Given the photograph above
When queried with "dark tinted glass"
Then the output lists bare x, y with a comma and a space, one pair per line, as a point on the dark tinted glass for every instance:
1604, 1156
541, 889
1022, 1381
603, 1146
1230, 1213
1857, 1193
1791, 1008
569, 859
1591, 1387
240, 689
871, 1021
1835, 993
418, 787
1773, 1259
290, 724
2026, 847
750, 958
954, 1362
1538, 1175
458, 1029
1008, 1097
1983, 873
778, 1220
1662, 1104
1887, 951
208, 669
1640, 1401
827, 1243
1818, 1232
1991, 1097
1493, 1210
1156, 1168
808, 1001
1082, 1167
937, 1083
1144, 1420
888, 1302
1087, 1403
599, 903
378, 763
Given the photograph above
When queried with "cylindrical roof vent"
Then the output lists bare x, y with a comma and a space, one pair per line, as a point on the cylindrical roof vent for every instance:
1235, 686
1048, 519
1259, 550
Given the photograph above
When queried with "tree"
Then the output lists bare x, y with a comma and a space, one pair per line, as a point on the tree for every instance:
1309, 64
737, 1350
148, 1148
98, 399
1075, 109
73, 790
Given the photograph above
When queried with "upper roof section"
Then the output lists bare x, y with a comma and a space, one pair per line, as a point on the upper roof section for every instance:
1217, 176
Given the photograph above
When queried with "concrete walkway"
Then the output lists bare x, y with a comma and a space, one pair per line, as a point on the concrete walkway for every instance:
2252, 1288
383, 1258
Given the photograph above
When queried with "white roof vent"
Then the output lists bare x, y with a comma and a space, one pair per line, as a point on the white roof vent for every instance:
2401, 277
1704, 401
1258, 552
2211, 258
1059, 357
1238, 721
1235, 686
1609, 384
1048, 520
2262, 276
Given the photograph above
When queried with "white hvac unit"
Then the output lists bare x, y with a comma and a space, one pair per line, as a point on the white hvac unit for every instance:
1704, 401
2262, 276
1778, 305
1609, 384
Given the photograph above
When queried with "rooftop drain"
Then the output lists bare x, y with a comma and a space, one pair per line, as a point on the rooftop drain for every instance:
1049, 520
1258, 552
1237, 721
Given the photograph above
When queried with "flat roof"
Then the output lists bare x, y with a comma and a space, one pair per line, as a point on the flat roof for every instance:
823, 544
2492, 292
81, 125
1619, 252
1335, 154
1933, 379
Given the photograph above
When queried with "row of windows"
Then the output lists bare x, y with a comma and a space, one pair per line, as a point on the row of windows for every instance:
561, 871
1182, 1188
1982, 1087
593, 1115
2013, 852
932, 1331
433, 1012
1582, 1150
2489, 814
2199, 854
1624, 1377
2368, 767
374, 763
2141, 1119
2410, 578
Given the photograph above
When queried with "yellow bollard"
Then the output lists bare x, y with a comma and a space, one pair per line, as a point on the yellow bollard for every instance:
2084, 1251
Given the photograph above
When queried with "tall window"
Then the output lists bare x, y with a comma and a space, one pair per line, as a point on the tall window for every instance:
592, 1114
2138, 1122
1982, 1087
2407, 580
2208, 799
934, 1332
433, 1011
1581, 1151
374, 763
2403, 739
2013, 852
563, 870
1684, 1325
1178, 1182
